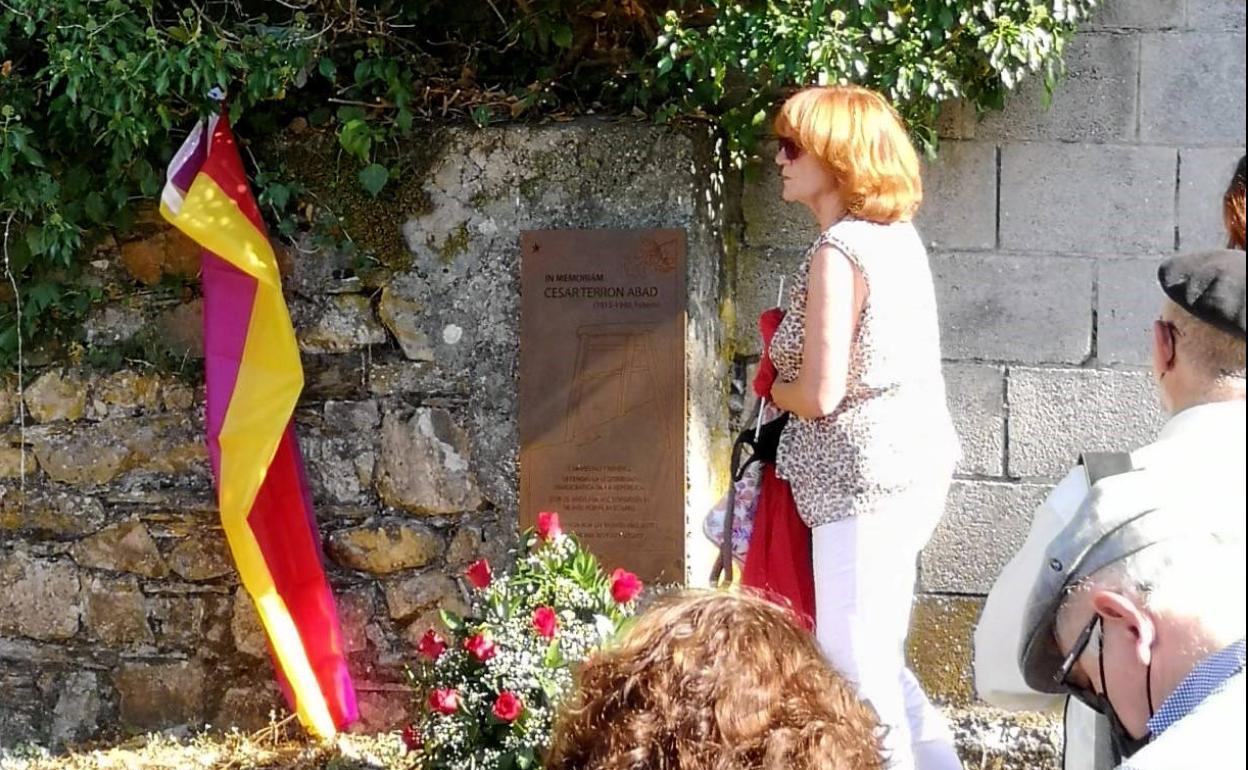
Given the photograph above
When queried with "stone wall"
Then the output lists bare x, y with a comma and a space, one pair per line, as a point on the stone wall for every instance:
119, 606
1045, 228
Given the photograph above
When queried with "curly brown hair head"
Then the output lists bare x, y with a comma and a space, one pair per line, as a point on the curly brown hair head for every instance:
1233, 205
714, 681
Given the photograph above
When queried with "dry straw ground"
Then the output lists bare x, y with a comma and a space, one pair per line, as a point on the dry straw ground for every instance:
278, 746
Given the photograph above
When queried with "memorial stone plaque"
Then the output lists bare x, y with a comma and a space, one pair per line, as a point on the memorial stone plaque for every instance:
602, 392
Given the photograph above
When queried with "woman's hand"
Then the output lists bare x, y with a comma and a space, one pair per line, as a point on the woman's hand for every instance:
836, 292
768, 323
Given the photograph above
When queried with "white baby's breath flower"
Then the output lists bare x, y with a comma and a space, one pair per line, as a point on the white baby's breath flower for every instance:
535, 669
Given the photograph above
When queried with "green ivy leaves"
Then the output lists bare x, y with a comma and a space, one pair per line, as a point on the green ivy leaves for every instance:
373, 177
96, 95
919, 53
356, 137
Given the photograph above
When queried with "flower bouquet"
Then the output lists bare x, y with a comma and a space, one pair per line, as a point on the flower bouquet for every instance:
489, 688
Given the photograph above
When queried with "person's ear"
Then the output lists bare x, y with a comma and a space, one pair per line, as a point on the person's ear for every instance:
1163, 347
1125, 614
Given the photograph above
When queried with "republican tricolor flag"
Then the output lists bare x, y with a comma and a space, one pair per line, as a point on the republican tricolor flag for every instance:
253, 381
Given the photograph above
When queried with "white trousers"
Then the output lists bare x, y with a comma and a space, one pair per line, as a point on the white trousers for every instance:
864, 587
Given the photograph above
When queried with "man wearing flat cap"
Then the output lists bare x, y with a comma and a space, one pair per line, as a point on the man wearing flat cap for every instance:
1138, 612
1198, 352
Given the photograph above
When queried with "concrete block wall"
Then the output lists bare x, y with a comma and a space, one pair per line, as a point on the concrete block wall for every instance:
1045, 227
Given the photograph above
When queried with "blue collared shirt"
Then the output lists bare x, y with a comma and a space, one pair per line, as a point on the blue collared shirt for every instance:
1206, 679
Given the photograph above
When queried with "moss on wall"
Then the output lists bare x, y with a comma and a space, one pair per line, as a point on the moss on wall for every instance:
375, 225
939, 647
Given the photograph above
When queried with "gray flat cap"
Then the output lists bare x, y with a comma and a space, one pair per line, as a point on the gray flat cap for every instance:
1120, 516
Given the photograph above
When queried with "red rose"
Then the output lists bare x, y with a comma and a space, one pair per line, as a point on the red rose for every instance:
548, 528
479, 574
444, 701
545, 622
625, 586
412, 739
481, 647
508, 707
431, 645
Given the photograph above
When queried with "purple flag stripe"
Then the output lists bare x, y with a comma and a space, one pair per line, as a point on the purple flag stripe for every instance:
229, 295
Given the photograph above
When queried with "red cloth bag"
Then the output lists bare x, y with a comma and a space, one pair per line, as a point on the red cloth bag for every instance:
778, 562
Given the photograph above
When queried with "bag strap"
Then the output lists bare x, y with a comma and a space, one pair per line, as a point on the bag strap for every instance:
1099, 465
723, 562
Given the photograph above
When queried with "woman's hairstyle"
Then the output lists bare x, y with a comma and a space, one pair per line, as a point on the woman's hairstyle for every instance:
714, 681
1233, 206
860, 138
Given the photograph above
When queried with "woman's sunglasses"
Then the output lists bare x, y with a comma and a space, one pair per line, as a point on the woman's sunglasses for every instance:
791, 149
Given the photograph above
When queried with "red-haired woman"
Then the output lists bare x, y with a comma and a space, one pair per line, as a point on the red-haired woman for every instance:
870, 449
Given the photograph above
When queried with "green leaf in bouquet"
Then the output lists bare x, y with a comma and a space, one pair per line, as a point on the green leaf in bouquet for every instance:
580, 562
497, 606
526, 759
585, 570
554, 655
550, 689
453, 622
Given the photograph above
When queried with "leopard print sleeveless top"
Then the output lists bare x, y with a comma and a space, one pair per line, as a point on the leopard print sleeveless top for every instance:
891, 435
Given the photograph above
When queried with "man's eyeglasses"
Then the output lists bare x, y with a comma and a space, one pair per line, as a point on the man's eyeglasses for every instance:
1086, 695
791, 149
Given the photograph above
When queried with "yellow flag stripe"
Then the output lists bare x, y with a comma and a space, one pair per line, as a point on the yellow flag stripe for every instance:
269, 381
